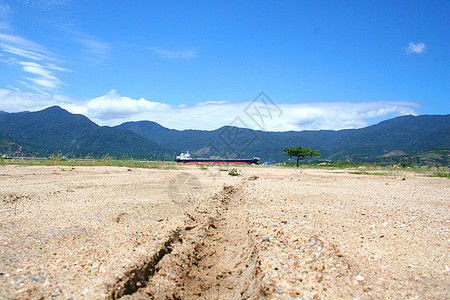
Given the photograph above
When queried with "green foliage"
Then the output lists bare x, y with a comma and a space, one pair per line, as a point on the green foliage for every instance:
233, 172
338, 165
434, 157
441, 173
372, 173
405, 164
436, 172
300, 152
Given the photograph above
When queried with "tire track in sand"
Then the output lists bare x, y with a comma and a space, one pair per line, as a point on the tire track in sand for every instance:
213, 257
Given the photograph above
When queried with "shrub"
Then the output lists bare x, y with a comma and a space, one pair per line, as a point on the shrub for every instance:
233, 172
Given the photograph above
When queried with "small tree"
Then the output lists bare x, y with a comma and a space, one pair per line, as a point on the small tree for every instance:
300, 153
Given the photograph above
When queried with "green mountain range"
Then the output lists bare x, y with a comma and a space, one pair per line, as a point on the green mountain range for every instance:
54, 130
406, 134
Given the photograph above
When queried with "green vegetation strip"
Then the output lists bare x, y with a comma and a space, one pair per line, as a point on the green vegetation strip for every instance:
365, 169
377, 170
128, 163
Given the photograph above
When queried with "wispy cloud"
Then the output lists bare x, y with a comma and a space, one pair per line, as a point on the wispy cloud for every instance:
41, 70
94, 50
4, 16
39, 65
93, 46
4, 10
44, 74
416, 48
40, 62
185, 54
46, 4
113, 109
23, 47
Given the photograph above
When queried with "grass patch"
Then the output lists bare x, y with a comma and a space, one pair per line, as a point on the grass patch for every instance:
233, 172
395, 171
104, 161
443, 173
372, 173
341, 165
331, 166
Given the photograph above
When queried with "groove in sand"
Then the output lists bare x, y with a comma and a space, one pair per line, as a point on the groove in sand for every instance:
213, 256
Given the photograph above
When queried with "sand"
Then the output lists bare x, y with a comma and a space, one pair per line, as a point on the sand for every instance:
109, 232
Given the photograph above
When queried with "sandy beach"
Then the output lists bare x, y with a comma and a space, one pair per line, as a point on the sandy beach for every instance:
110, 232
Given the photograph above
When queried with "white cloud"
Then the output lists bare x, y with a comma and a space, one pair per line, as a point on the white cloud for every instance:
113, 109
211, 102
44, 73
186, 54
36, 69
23, 47
97, 51
95, 46
41, 65
16, 101
13, 88
21, 52
46, 4
416, 48
110, 107
44, 83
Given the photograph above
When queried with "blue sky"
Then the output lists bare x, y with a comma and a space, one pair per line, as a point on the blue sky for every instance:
198, 64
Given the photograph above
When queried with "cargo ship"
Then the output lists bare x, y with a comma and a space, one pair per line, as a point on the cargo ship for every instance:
186, 158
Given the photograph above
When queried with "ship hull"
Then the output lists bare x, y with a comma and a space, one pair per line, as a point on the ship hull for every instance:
218, 161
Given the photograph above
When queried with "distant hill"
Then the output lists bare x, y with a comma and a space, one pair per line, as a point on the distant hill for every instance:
12, 147
432, 157
406, 134
54, 130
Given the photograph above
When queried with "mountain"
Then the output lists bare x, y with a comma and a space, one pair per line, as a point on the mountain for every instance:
406, 134
54, 130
